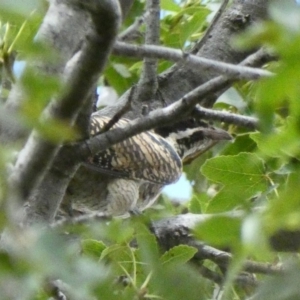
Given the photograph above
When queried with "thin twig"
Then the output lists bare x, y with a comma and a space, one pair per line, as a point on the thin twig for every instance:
211, 275
223, 259
240, 72
243, 280
148, 84
132, 30
224, 116
119, 114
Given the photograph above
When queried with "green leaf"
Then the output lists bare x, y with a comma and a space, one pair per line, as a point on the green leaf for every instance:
232, 98
220, 231
92, 247
178, 255
244, 168
148, 249
198, 203
114, 76
241, 143
194, 9
177, 282
118, 231
195, 205
122, 70
116, 254
243, 176
169, 5
285, 141
192, 25
284, 210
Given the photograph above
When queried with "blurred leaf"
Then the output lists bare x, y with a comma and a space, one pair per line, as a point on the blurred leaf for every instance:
195, 9
187, 22
232, 98
192, 25
253, 236
284, 210
284, 286
117, 254
135, 11
122, 70
195, 205
54, 131
286, 13
118, 231
241, 143
285, 141
163, 66
120, 75
169, 5
177, 282
220, 231
178, 255
148, 249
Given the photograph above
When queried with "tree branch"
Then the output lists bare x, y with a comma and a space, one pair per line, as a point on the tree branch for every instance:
223, 259
148, 84
215, 20
242, 280
131, 32
151, 51
38, 153
226, 117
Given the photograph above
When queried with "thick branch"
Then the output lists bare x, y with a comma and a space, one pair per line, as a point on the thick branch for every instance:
38, 153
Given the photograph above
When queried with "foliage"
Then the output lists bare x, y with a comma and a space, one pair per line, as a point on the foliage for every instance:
256, 176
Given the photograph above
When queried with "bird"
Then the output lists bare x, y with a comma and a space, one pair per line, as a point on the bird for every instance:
140, 166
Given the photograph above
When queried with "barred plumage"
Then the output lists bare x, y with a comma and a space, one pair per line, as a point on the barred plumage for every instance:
141, 165
146, 156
